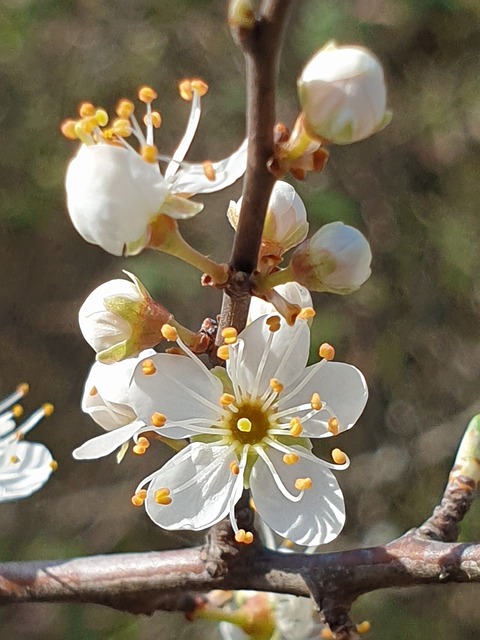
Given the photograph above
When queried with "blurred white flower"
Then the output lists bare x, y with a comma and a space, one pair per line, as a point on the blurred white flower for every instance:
343, 95
253, 436
24, 466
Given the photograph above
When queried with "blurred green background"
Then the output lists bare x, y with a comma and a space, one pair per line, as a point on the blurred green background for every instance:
413, 329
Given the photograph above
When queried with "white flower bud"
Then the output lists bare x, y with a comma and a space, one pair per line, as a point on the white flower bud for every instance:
285, 223
336, 259
343, 95
291, 292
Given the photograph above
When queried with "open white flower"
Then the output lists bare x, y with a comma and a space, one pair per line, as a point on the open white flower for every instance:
254, 435
114, 193
24, 466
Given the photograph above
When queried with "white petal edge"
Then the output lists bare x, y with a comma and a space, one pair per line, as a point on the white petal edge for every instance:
107, 442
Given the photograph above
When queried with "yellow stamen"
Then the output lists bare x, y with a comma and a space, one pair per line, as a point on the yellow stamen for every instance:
291, 458
148, 367
93, 391
53, 465
185, 90
244, 537
23, 388
252, 504
139, 450
316, 402
222, 352
296, 428
149, 153
229, 334
273, 323
287, 544
244, 425
169, 333
143, 442
333, 426
326, 634
209, 171
147, 94
364, 627
86, 109
125, 108
139, 498
48, 409
155, 119
162, 496
158, 419
14, 459
338, 456
276, 385
307, 313
101, 116
17, 411
121, 127
89, 124
234, 468
303, 484
68, 129
200, 86
326, 351
226, 399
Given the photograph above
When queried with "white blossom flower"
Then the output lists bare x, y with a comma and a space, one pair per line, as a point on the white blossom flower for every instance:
114, 193
120, 318
285, 223
292, 294
343, 95
24, 466
336, 259
254, 435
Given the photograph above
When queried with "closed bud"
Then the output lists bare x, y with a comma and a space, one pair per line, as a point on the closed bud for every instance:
343, 95
335, 259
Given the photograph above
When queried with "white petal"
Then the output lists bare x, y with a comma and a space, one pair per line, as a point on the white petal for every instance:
343, 388
201, 485
107, 442
21, 479
293, 293
316, 519
180, 389
192, 180
286, 359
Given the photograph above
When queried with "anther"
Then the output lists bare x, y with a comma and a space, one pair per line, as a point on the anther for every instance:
326, 351
363, 627
291, 458
48, 409
234, 468
155, 118
307, 313
147, 94
148, 367
316, 402
86, 109
276, 385
185, 90
296, 428
101, 116
326, 634
303, 484
229, 334
169, 333
209, 171
14, 459
162, 496
125, 108
68, 129
158, 419
244, 425
17, 411
149, 153
200, 86
226, 399
89, 124
139, 498
93, 392
338, 456
333, 426
141, 446
53, 465
121, 127
244, 537
222, 352
23, 388
273, 323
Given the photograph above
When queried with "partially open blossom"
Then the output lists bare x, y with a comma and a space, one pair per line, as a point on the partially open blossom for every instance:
254, 433
285, 223
343, 95
335, 259
114, 193
288, 299
24, 466
120, 318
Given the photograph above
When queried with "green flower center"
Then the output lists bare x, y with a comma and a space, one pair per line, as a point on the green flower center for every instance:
250, 425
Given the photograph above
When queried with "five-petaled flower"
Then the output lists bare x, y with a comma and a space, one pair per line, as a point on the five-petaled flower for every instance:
254, 434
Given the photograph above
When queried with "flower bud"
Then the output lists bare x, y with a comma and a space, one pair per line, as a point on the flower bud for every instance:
119, 319
343, 95
285, 223
335, 259
294, 298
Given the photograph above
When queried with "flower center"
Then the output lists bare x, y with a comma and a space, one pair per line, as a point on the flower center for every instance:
250, 425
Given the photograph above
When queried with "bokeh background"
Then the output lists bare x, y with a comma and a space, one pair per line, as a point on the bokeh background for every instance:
413, 328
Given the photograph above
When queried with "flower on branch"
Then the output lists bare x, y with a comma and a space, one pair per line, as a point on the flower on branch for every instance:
24, 466
288, 299
114, 193
253, 433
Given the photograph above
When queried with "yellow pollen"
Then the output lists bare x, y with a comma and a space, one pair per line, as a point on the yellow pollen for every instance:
86, 109
287, 544
227, 399
200, 86
296, 428
125, 108
326, 634
303, 484
139, 498
276, 385
17, 411
162, 496
338, 456
273, 323
333, 426
306, 313
93, 391
147, 94
364, 627
89, 124
143, 442
209, 171
14, 459
53, 465
291, 458
316, 402
139, 450
68, 129
23, 388
158, 419
169, 333
326, 351
244, 537
185, 90
244, 425
48, 409
234, 468
101, 116
121, 127
229, 334
155, 119
148, 367
149, 153
222, 352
